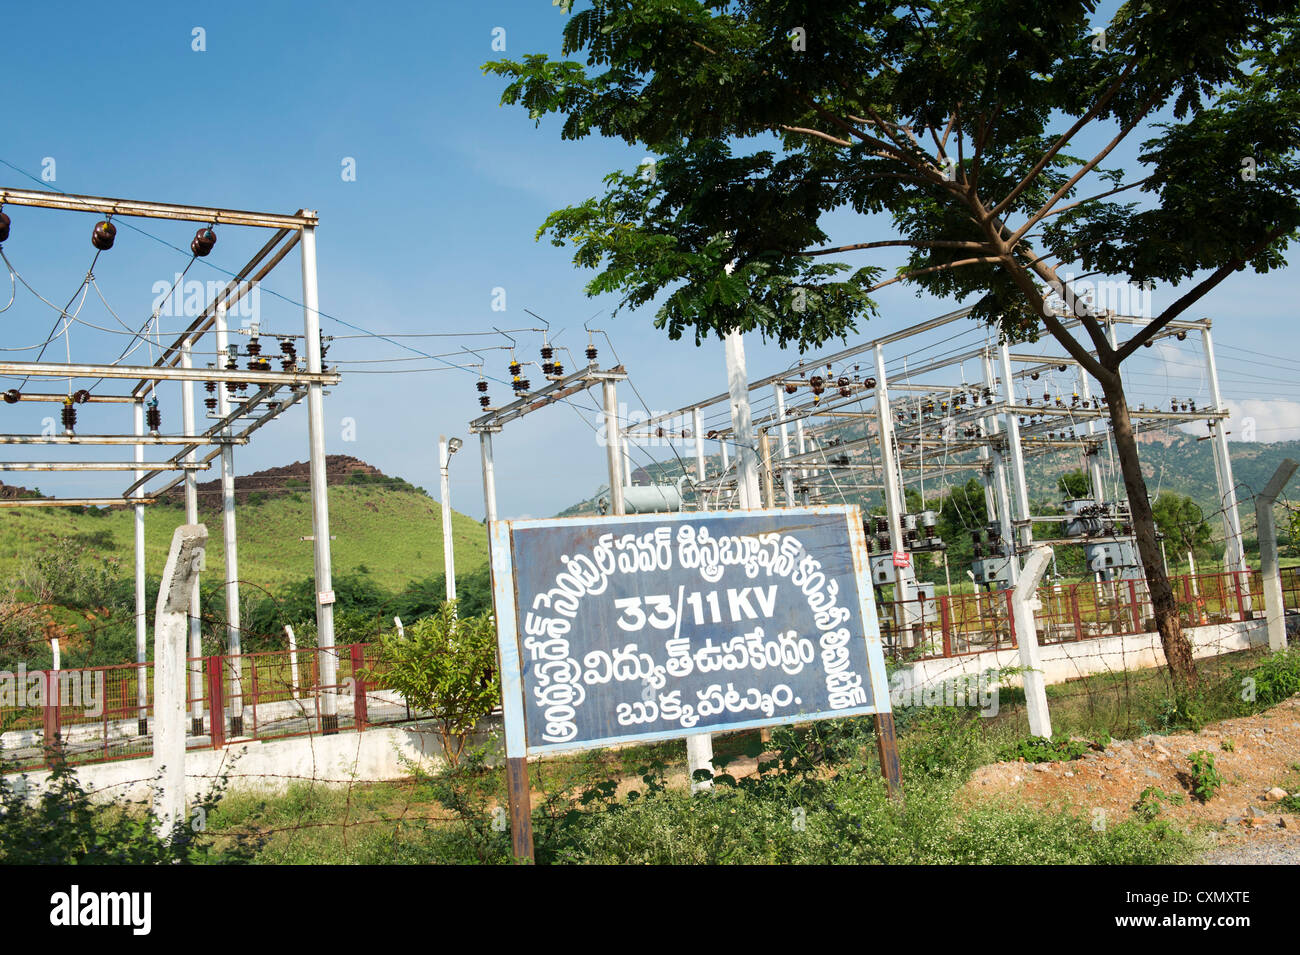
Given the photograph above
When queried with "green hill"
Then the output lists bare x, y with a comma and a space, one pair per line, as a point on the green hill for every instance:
382, 525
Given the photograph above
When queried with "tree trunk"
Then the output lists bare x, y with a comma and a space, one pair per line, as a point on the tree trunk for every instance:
1178, 651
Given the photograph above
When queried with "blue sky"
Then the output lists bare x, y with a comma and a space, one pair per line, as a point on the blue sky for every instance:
449, 191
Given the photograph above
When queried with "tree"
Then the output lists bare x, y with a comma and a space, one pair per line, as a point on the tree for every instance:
1075, 485
954, 121
1182, 522
445, 665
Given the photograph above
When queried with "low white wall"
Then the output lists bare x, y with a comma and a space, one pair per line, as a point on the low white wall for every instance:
272, 766
1065, 661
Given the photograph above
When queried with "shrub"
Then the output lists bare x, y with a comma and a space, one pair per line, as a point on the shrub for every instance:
445, 665
1206, 780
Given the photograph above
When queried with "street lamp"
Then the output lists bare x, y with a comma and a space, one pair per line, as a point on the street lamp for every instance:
446, 448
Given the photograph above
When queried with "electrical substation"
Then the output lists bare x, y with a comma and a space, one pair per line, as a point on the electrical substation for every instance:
243, 392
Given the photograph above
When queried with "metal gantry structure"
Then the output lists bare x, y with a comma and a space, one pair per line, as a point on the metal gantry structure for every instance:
899, 410
233, 416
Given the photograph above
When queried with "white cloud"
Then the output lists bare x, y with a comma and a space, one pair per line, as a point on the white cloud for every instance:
1258, 419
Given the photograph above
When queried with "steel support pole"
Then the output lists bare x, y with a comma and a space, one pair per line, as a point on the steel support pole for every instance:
141, 616
889, 470
192, 517
613, 452
1094, 456
697, 429
320, 508
787, 475
742, 428
231, 544
448, 551
1000, 467
1274, 608
489, 477
1227, 485
1017, 456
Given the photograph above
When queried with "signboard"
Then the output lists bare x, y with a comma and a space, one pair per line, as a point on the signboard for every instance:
661, 626
901, 558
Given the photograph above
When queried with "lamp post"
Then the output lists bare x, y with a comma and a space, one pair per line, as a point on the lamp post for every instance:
446, 448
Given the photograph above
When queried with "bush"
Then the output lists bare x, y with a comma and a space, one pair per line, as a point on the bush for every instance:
445, 665
62, 826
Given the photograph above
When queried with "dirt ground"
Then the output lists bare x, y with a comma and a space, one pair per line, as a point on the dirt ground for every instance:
1254, 755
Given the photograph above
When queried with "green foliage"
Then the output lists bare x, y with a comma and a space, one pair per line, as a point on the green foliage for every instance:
1227, 745
445, 665
1277, 677
64, 826
1074, 485
1183, 523
1036, 749
1206, 780
1152, 800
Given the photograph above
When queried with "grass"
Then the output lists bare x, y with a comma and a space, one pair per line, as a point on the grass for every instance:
824, 802
395, 534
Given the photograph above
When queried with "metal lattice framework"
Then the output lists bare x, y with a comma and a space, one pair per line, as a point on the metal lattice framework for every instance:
232, 419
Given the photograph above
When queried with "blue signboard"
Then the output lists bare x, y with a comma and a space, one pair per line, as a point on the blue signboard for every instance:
664, 625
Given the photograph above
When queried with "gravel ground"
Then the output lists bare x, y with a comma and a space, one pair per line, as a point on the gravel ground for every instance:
1280, 849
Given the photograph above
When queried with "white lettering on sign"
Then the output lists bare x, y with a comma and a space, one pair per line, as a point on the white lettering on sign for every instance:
561, 683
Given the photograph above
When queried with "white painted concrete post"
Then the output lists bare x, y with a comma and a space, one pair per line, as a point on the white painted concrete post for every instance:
1274, 612
401, 631
1024, 601
184, 561
293, 659
192, 517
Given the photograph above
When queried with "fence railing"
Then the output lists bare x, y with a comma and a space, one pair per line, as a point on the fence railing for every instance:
95, 714
957, 624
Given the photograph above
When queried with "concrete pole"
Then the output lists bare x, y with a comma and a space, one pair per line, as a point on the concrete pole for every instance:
613, 455
192, 517
320, 507
141, 616
293, 659
448, 551
1016, 453
231, 545
184, 560
1274, 609
701, 470
787, 475
742, 428
1024, 602
1227, 486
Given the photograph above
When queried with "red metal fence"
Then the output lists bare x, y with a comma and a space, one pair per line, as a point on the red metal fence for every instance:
958, 624
95, 713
